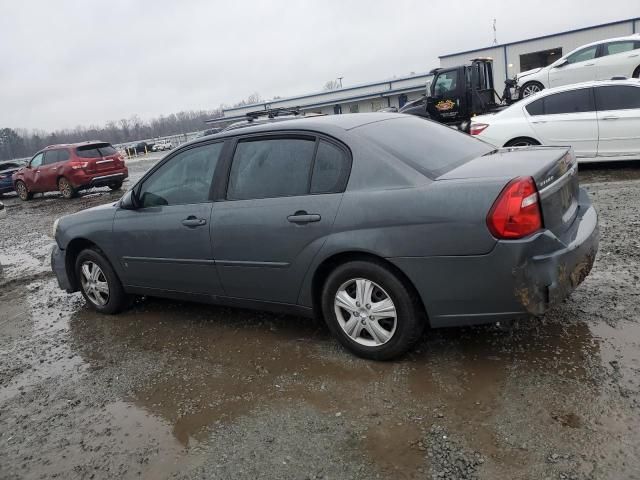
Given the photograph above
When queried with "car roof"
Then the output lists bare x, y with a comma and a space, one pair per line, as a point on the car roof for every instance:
320, 123
634, 36
73, 145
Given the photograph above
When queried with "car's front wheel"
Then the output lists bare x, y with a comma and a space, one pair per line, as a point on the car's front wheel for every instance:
371, 311
99, 283
115, 186
530, 88
23, 191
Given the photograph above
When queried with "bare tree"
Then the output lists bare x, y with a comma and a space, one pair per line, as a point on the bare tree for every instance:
331, 85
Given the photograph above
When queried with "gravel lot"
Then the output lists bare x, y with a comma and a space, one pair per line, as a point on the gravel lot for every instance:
179, 390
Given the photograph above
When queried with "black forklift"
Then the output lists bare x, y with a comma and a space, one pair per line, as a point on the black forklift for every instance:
457, 94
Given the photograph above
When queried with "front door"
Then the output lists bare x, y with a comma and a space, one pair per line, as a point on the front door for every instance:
281, 202
580, 66
618, 120
444, 104
164, 244
32, 174
566, 119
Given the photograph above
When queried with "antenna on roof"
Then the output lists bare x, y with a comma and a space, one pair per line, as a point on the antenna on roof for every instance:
495, 40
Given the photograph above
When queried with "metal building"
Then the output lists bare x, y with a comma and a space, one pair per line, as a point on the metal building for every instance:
515, 57
366, 97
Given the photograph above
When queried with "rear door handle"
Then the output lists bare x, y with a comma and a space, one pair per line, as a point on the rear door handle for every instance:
303, 217
610, 118
589, 64
539, 121
633, 55
193, 222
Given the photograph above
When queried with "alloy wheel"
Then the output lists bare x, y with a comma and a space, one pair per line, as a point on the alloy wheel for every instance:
94, 283
365, 312
530, 90
21, 188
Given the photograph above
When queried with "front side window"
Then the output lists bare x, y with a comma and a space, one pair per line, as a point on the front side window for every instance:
536, 108
620, 47
37, 160
573, 101
583, 55
617, 97
268, 168
446, 83
184, 179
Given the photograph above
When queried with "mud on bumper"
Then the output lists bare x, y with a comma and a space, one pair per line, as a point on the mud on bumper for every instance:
59, 267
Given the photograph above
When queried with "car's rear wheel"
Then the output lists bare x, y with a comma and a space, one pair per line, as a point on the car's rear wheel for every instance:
521, 142
99, 283
65, 188
530, 88
23, 191
115, 186
371, 311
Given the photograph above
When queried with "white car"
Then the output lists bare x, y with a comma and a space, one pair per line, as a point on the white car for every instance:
600, 120
596, 61
162, 145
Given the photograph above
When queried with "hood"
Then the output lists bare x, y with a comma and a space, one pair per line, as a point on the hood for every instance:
528, 72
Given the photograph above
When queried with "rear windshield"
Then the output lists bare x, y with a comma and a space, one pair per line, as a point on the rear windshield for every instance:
96, 150
430, 148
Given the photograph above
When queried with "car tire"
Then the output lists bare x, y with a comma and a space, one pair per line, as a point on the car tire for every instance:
530, 88
23, 192
65, 188
94, 273
521, 142
372, 333
115, 186
636, 72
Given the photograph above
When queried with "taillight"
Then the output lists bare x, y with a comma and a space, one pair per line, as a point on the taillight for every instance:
516, 212
477, 128
78, 165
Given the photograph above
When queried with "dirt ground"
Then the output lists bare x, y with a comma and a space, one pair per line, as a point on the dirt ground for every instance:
179, 390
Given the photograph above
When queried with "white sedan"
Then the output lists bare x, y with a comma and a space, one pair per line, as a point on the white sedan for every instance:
600, 120
600, 60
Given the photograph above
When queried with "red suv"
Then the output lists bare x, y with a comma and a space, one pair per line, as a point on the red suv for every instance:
69, 168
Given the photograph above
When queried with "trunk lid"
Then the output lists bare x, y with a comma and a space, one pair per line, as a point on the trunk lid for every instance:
100, 157
553, 169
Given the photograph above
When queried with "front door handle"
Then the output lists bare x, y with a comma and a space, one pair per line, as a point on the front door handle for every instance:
539, 121
589, 64
192, 222
301, 217
633, 55
610, 118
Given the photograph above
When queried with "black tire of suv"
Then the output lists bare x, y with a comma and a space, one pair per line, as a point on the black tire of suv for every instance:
115, 186
118, 299
411, 319
65, 188
23, 192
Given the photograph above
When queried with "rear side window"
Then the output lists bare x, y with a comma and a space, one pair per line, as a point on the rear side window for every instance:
430, 148
95, 151
617, 97
63, 155
269, 168
536, 108
50, 156
620, 47
330, 169
573, 101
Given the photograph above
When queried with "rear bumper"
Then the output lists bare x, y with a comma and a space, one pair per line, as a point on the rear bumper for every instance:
102, 179
58, 265
516, 279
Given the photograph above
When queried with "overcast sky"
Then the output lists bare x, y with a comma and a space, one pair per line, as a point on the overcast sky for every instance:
65, 63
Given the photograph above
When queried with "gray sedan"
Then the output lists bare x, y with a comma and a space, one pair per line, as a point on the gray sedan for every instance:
379, 223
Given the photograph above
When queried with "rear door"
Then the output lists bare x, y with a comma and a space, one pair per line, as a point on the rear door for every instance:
164, 245
49, 169
280, 204
580, 67
618, 120
566, 119
618, 58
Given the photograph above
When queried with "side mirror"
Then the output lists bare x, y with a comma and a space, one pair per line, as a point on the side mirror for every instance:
128, 201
